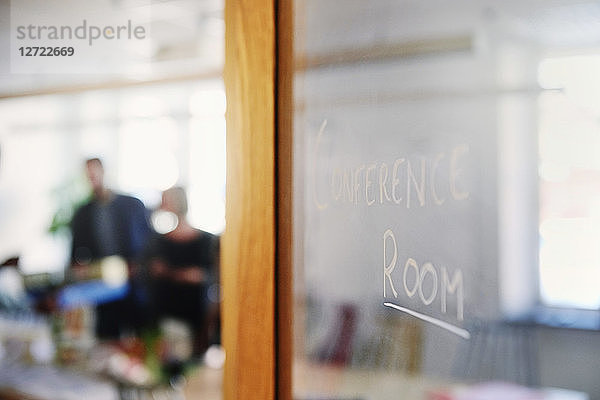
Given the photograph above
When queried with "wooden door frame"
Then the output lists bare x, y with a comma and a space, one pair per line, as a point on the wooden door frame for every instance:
256, 257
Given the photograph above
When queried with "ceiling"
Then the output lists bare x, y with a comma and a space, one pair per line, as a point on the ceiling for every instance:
551, 25
186, 38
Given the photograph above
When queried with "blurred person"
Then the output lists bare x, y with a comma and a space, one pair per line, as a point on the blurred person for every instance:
110, 224
183, 268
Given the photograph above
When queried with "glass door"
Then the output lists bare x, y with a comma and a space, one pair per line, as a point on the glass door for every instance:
416, 199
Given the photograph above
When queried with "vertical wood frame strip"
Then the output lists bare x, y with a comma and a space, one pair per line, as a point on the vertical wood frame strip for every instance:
249, 242
284, 116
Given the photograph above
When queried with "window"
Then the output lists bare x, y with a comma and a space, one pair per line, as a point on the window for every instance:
569, 182
149, 137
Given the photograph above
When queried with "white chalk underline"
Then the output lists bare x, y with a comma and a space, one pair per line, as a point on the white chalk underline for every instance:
445, 325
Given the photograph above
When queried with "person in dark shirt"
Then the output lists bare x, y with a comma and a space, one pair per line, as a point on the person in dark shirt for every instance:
110, 224
184, 265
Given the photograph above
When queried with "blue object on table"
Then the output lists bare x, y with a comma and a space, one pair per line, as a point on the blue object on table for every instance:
90, 293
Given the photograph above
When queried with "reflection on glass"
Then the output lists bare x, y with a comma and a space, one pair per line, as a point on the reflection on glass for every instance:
414, 124
569, 146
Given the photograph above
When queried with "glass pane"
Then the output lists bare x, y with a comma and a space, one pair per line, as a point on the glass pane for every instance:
109, 275
416, 200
